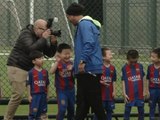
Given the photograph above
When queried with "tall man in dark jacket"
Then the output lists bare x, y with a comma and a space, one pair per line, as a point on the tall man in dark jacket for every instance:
87, 62
33, 37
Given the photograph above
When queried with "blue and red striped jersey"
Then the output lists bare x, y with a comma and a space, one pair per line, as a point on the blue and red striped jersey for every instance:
153, 75
109, 74
38, 80
64, 79
133, 78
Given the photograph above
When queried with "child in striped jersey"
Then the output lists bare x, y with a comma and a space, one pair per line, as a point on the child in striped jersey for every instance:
153, 78
38, 87
132, 82
64, 82
108, 83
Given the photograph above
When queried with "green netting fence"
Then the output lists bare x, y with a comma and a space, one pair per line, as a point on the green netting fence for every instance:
126, 24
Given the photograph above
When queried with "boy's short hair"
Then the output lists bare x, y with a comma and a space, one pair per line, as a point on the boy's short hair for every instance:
63, 46
35, 54
103, 51
132, 54
156, 51
75, 9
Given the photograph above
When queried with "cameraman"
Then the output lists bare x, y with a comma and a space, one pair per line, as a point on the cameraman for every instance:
33, 37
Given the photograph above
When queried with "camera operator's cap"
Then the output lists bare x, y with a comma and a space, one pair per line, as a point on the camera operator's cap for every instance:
75, 9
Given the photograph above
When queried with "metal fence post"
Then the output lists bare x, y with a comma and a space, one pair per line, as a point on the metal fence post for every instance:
27, 10
48, 8
0, 89
124, 23
9, 25
104, 32
153, 23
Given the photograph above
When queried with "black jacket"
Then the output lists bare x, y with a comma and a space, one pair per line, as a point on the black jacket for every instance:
25, 44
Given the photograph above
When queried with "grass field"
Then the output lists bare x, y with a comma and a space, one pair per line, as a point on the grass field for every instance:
52, 110
24, 109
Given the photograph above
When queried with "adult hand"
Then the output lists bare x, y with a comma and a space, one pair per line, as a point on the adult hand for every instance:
53, 39
81, 67
46, 34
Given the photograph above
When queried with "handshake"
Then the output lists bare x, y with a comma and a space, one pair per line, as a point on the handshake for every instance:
49, 25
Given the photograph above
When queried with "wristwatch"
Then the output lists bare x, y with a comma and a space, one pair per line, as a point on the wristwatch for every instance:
82, 62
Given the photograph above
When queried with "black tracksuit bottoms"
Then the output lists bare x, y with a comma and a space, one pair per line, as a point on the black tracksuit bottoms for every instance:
89, 95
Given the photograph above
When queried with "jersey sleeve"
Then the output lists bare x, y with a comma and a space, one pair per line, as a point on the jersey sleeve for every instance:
143, 73
115, 75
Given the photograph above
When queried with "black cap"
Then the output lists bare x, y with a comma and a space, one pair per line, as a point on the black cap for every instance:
75, 9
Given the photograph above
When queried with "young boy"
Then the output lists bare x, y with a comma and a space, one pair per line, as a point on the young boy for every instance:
108, 80
38, 86
132, 82
64, 82
153, 77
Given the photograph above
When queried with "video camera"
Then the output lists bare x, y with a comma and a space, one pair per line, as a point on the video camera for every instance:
49, 25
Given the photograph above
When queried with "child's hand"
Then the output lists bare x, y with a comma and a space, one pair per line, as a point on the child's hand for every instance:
146, 94
104, 82
69, 67
48, 97
114, 94
126, 98
57, 56
29, 98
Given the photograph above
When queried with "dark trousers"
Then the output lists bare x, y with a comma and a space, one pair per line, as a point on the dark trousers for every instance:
89, 95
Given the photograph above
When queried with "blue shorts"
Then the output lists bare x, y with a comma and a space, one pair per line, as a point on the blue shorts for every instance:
153, 100
66, 102
38, 106
154, 96
137, 103
108, 105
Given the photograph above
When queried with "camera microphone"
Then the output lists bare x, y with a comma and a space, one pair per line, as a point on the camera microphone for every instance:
49, 25
55, 19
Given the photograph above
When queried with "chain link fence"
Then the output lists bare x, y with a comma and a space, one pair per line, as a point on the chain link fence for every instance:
126, 24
